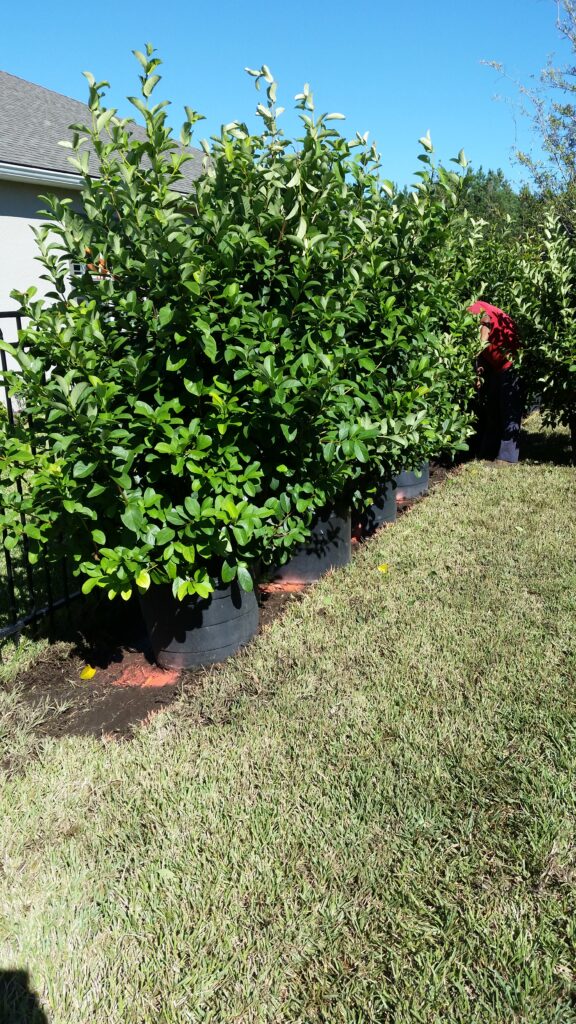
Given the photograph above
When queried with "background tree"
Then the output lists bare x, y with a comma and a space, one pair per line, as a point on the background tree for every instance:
551, 106
489, 196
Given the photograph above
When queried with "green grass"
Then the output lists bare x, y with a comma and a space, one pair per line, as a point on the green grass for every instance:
368, 816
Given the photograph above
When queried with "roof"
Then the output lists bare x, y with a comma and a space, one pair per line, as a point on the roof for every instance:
33, 120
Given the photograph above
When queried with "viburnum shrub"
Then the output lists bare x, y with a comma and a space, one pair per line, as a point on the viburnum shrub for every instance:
282, 222
543, 300
437, 287
334, 308
417, 290
138, 458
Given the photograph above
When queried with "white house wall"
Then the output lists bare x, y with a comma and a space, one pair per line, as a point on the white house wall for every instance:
19, 212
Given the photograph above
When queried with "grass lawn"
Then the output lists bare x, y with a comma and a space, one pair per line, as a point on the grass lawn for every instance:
368, 816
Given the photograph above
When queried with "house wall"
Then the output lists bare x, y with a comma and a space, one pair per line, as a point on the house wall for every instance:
19, 212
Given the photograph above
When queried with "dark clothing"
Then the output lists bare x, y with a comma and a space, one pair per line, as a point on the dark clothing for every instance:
500, 414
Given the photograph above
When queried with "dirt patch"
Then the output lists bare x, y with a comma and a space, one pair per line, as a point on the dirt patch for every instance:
100, 706
438, 473
122, 687
111, 712
108, 683
274, 598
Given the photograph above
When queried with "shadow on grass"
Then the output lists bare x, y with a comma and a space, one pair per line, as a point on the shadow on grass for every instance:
18, 1003
551, 446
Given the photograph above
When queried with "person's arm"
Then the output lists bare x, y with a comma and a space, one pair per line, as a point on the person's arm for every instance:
485, 328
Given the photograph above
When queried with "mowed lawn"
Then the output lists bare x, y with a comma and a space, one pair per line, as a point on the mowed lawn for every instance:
368, 816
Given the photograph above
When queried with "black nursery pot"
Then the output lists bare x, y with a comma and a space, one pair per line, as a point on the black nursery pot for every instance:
328, 547
413, 483
198, 631
383, 510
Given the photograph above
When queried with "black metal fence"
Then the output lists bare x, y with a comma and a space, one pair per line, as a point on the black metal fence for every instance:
28, 593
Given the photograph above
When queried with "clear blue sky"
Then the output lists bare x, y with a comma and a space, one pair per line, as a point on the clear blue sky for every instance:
394, 69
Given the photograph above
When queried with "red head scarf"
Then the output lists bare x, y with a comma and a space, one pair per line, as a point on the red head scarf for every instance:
503, 338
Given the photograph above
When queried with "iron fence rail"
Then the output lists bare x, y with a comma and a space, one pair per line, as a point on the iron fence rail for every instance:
28, 594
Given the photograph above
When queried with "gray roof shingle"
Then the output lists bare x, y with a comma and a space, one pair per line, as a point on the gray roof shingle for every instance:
33, 120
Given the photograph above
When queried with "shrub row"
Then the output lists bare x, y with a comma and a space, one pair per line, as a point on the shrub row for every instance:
232, 360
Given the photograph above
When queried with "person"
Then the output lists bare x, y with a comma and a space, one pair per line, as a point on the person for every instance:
501, 402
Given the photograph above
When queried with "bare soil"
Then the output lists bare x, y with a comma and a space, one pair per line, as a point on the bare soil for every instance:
126, 688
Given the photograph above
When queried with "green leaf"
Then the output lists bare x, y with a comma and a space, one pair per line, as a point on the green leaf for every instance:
89, 584
241, 534
192, 506
139, 104
175, 364
143, 409
143, 580
426, 142
83, 469
165, 315
95, 491
210, 347
228, 572
133, 518
203, 589
32, 531
245, 578
360, 451
165, 535
150, 84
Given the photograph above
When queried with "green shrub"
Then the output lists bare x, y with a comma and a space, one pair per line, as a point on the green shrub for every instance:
233, 360
544, 297
534, 279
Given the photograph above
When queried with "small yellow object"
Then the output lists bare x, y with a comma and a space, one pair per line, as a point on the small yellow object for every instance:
383, 567
87, 672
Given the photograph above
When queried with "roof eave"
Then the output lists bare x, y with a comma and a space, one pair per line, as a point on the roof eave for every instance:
39, 176
60, 179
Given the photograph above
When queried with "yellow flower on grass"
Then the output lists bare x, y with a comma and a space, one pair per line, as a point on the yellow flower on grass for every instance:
383, 567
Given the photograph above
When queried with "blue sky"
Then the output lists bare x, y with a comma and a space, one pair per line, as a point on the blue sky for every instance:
396, 70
